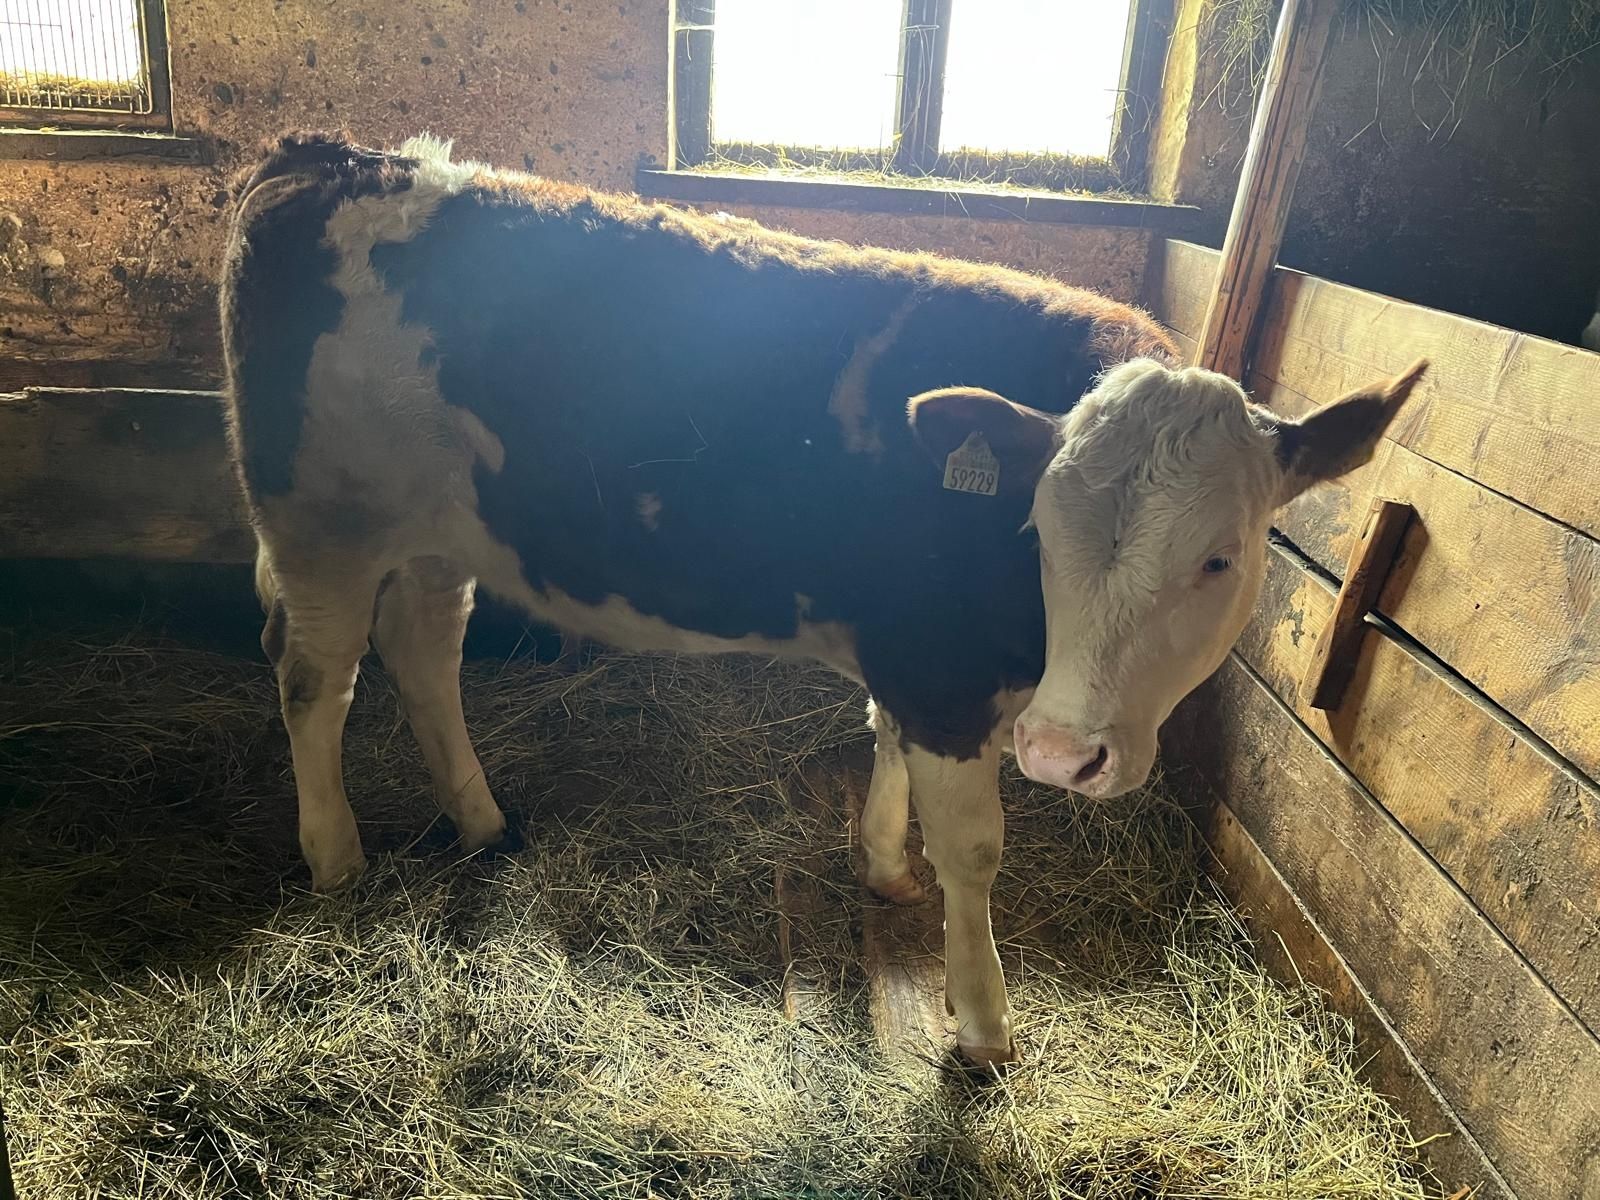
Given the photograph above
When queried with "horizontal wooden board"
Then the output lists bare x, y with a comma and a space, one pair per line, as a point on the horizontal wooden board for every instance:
1517, 413
1512, 1060
1520, 834
1514, 412
1507, 597
112, 473
1296, 951
1178, 280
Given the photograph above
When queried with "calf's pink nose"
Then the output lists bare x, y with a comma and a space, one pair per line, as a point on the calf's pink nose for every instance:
1061, 758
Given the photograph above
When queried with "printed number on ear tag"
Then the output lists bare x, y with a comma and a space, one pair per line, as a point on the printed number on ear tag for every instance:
972, 467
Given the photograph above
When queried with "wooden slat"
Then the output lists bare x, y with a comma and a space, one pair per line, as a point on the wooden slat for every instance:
1266, 183
1515, 412
902, 949
118, 473
1508, 598
1513, 1061
1177, 286
1517, 832
803, 902
1293, 948
1333, 657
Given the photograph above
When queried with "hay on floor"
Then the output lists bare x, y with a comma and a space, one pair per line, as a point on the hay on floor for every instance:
597, 1013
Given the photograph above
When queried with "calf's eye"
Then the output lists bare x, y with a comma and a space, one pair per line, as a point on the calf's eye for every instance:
1216, 564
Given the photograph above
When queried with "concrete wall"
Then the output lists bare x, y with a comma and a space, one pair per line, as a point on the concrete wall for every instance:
107, 268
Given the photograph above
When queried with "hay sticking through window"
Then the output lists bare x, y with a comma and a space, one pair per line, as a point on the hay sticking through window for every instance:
597, 1013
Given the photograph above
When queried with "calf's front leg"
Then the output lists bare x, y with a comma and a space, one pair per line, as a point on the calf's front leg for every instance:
958, 804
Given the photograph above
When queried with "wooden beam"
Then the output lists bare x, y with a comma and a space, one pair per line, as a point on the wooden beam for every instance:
1333, 658
1505, 1052
1266, 183
120, 474
689, 88
919, 109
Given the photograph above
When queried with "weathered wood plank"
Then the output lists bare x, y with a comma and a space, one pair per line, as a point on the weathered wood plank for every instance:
1266, 183
1293, 948
1507, 597
1515, 412
903, 952
1513, 1061
1177, 286
1333, 657
118, 474
803, 903
1516, 831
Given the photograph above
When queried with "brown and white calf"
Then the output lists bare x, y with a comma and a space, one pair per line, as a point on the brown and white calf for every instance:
668, 430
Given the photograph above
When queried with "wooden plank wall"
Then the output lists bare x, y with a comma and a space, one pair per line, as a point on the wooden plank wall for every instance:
1429, 852
118, 473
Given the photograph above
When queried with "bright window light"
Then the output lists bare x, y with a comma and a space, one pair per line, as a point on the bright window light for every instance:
819, 73
1031, 76
70, 53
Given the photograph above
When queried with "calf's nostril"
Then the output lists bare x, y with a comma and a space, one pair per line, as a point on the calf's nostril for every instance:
1093, 767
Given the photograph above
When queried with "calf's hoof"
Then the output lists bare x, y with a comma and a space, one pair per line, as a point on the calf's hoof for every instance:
903, 890
989, 1058
480, 835
336, 876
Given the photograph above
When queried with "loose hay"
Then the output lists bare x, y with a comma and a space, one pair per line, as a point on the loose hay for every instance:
596, 1014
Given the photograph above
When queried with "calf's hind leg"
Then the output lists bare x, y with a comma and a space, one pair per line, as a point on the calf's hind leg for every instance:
315, 635
422, 618
884, 817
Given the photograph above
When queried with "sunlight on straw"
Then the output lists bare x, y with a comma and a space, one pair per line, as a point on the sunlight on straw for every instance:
48, 42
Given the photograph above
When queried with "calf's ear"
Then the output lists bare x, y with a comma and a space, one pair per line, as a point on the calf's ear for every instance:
1023, 440
1341, 436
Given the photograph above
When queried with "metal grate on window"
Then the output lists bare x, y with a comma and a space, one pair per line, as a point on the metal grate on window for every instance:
74, 56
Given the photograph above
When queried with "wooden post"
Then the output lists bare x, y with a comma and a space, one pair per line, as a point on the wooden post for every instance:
689, 89
1266, 184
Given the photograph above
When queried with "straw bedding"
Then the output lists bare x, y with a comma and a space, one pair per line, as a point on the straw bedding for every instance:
596, 1012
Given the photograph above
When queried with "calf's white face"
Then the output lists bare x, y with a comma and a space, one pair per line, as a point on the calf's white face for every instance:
1151, 500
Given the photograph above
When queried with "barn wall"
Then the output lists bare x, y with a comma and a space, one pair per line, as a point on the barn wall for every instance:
107, 268
1477, 199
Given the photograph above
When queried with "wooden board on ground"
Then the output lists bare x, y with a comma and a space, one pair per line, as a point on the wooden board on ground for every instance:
802, 902
1518, 1068
1508, 598
111, 473
1296, 951
1516, 830
903, 950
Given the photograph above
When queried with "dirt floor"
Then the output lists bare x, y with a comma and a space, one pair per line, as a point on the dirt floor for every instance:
600, 1011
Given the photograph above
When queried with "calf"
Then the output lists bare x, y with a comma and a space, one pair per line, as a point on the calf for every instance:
666, 430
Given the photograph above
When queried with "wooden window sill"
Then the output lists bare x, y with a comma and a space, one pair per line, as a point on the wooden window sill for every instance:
1043, 208
77, 145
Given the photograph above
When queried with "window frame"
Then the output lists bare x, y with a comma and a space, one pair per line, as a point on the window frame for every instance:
158, 76
924, 45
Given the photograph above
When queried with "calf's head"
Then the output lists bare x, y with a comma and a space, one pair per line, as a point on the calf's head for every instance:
1151, 501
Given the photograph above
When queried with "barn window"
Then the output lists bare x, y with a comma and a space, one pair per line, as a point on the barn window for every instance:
1042, 93
74, 63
